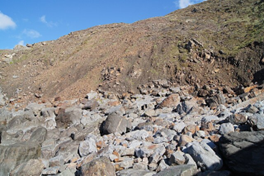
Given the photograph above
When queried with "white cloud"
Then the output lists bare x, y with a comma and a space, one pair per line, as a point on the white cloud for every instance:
21, 42
185, 3
48, 23
31, 33
6, 22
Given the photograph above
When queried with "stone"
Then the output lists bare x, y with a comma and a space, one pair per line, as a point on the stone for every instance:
181, 170
179, 126
177, 158
69, 116
185, 139
51, 170
115, 123
99, 166
243, 152
237, 119
226, 128
56, 161
92, 95
24, 121
190, 128
162, 165
16, 154
38, 135
86, 147
205, 156
135, 172
257, 121
31, 167
171, 101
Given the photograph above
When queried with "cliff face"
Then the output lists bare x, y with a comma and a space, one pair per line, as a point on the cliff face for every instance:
217, 41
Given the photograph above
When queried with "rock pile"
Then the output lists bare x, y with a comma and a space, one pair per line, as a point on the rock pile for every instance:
164, 130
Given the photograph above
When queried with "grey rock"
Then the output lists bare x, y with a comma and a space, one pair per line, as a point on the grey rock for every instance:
115, 123
226, 128
243, 152
179, 126
177, 158
31, 167
69, 116
257, 120
92, 95
24, 121
135, 172
51, 170
205, 156
13, 155
88, 146
100, 166
181, 170
56, 161
38, 135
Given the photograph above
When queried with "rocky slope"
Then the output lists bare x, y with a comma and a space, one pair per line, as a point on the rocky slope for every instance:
219, 41
163, 131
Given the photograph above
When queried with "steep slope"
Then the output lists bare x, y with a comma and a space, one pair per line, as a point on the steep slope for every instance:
217, 41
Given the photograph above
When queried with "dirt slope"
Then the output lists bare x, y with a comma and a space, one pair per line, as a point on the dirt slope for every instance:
217, 41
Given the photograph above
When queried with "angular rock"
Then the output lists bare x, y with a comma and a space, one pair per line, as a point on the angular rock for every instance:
181, 170
38, 135
177, 158
226, 128
31, 167
115, 123
88, 146
205, 156
171, 101
135, 172
243, 152
100, 166
13, 155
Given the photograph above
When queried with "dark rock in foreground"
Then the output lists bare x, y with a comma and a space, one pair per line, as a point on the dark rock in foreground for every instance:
243, 152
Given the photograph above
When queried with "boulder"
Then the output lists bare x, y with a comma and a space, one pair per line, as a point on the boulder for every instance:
69, 116
204, 156
243, 152
226, 128
181, 170
13, 155
99, 166
171, 101
88, 146
135, 172
115, 123
31, 167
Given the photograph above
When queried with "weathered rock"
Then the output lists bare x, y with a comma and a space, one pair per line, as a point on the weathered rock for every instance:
171, 101
243, 152
115, 123
32, 167
226, 128
257, 120
51, 170
135, 172
38, 135
69, 116
177, 158
205, 156
181, 170
13, 155
24, 121
100, 166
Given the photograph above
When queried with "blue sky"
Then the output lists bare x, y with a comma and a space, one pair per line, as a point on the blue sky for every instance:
29, 21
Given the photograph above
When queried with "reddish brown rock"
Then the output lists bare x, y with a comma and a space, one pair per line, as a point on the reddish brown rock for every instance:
171, 101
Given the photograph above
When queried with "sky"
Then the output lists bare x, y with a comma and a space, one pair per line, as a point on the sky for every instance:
28, 22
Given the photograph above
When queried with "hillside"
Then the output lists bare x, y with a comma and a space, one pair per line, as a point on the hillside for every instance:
217, 41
